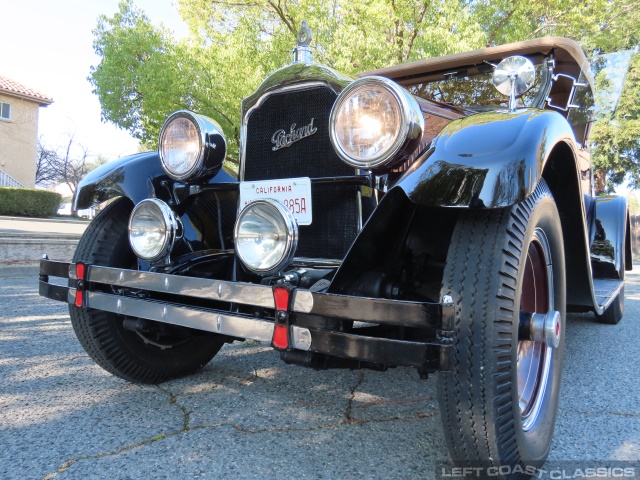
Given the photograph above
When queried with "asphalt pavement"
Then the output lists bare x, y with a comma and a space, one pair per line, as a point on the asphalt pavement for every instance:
248, 415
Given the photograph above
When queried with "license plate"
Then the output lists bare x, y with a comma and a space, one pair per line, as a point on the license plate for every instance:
293, 193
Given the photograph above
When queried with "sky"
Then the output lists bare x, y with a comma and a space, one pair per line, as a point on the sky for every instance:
47, 46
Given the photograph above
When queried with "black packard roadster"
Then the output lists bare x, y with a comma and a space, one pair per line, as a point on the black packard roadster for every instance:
438, 214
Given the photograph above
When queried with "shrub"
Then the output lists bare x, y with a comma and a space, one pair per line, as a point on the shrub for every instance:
28, 202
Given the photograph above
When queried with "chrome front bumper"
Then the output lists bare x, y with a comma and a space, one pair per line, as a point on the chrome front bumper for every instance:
128, 293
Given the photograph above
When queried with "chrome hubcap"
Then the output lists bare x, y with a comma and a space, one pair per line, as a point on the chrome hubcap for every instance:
535, 355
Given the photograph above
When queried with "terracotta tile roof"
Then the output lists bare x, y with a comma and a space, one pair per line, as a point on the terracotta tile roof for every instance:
11, 87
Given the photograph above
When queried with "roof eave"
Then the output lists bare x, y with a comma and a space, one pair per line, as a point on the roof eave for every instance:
40, 101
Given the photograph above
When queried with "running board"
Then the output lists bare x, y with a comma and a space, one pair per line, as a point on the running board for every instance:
606, 290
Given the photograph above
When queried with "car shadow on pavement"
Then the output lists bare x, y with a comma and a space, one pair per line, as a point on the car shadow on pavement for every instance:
248, 415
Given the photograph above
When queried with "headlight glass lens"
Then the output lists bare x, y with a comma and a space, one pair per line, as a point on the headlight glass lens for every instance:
367, 123
265, 236
180, 146
150, 233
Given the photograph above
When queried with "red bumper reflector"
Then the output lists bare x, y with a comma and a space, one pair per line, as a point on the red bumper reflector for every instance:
78, 298
281, 297
281, 337
80, 271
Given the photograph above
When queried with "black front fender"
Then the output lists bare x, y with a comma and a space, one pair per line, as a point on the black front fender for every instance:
487, 160
135, 176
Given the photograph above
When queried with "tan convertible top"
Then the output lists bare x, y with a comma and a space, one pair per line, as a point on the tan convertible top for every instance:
566, 51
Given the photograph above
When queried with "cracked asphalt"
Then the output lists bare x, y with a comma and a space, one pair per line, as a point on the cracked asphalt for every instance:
248, 415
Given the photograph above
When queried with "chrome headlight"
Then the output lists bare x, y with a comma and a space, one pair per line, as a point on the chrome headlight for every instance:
153, 229
191, 146
266, 236
374, 123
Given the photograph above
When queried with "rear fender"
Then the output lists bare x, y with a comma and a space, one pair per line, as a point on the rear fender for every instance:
487, 160
610, 245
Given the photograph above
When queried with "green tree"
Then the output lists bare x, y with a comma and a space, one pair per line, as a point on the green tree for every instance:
616, 155
144, 73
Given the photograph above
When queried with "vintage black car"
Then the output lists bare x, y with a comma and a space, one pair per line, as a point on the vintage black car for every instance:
438, 214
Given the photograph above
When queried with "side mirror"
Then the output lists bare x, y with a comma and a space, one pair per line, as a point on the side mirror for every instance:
514, 76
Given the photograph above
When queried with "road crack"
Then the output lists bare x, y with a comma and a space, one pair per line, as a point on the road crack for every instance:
352, 395
173, 400
186, 427
619, 414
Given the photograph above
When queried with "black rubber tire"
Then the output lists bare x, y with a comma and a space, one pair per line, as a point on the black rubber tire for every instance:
119, 351
614, 312
479, 396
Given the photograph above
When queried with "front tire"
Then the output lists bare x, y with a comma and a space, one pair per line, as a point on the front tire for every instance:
124, 353
500, 398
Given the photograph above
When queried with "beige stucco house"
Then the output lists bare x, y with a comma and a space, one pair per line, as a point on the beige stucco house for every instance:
19, 106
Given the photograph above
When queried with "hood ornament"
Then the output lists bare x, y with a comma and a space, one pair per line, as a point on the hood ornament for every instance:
302, 53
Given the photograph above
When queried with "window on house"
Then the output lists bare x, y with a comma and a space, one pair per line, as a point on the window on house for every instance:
5, 111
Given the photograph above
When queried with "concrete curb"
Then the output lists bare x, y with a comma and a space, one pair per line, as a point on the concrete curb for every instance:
21, 248
38, 236
46, 220
19, 271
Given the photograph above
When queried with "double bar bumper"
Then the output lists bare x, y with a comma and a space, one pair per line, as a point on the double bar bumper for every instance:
128, 292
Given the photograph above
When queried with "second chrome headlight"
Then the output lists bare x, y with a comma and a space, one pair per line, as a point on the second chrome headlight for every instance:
153, 229
191, 146
374, 123
266, 236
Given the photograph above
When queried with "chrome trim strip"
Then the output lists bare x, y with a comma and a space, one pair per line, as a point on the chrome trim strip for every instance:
71, 296
224, 324
300, 338
372, 310
359, 210
234, 292
316, 262
232, 325
376, 310
302, 301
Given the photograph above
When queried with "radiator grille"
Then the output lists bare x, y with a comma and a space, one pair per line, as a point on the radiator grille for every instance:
335, 207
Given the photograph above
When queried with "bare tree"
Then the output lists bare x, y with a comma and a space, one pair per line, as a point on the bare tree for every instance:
46, 159
66, 164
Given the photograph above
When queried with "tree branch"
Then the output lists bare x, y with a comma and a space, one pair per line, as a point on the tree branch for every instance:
288, 21
416, 29
498, 27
